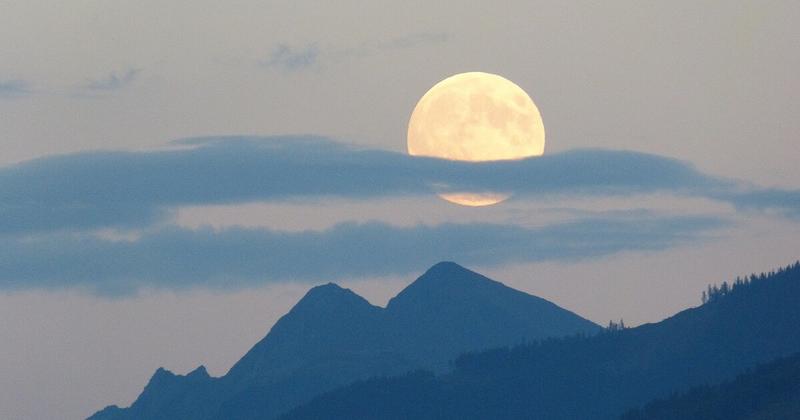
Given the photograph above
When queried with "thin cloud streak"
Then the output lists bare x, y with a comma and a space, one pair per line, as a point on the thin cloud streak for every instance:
288, 58
10, 89
413, 40
291, 59
113, 81
176, 258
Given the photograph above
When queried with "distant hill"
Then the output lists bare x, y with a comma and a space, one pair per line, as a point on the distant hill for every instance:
770, 392
333, 337
596, 377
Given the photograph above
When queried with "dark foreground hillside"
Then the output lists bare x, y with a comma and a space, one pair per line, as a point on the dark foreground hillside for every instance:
599, 377
770, 392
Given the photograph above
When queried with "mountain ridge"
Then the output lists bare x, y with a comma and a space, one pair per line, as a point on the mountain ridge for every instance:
333, 336
770, 391
597, 377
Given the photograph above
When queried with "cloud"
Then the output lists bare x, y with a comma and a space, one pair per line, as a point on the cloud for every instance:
15, 88
786, 202
412, 40
113, 81
176, 258
289, 58
95, 190
52, 208
400, 43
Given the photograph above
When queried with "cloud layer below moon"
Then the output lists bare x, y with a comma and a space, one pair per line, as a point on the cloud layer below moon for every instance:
176, 258
53, 212
137, 189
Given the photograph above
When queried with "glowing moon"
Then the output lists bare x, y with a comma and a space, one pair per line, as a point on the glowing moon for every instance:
476, 117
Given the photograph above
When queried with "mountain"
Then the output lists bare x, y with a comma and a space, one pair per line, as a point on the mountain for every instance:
450, 309
333, 337
770, 392
597, 377
168, 395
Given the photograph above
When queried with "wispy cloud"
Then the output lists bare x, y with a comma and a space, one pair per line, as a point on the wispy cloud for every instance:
288, 58
412, 40
291, 58
113, 81
137, 189
15, 88
176, 258
116, 80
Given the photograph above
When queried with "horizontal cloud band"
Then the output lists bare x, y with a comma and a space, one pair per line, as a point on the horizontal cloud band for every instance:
176, 258
136, 189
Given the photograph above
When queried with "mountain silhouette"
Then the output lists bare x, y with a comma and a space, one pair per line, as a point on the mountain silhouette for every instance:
333, 337
770, 392
597, 377
450, 309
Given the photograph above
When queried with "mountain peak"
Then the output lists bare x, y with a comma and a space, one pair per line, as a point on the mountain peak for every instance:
329, 296
333, 336
443, 279
446, 268
329, 287
451, 309
328, 318
162, 374
452, 272
200, 372
446, 265
163, 377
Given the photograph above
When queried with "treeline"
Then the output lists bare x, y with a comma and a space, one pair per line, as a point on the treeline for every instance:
715, 292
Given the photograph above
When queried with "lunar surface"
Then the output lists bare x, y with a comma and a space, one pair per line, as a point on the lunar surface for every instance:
476, 117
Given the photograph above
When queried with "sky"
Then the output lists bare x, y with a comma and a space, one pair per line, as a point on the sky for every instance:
174, 176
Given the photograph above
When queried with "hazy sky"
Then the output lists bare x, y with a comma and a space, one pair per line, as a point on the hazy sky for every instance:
162, 251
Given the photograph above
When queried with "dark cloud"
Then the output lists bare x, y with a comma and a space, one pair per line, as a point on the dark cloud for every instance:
781, 201
176, 258
51, 209
14, 88
136, 189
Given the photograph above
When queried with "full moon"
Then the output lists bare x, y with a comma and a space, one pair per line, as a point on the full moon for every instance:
476, 117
